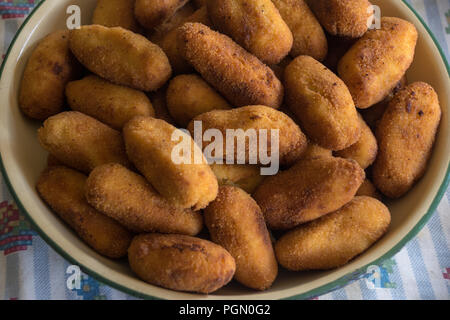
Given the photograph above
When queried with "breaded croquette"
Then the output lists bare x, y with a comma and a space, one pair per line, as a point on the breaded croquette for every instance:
151, 13
235, 222
185, 180
322, 104
63, 189
128, 198
373, 114
180, 16
310, 189
121, 56
81, 142
369, 190
189, 96
314, 150
406, 135
309, 37
46, 74
245, 176
375, 63
180, 262
111, 104
171, 46
346, 18
254, 24
365, 150
116, 13
291, 142
239, 76
335, 239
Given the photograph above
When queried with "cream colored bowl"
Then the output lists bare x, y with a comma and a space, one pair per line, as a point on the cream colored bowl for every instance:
23, 159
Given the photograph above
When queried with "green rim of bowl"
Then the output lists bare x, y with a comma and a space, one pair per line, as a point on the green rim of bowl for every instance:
341, 282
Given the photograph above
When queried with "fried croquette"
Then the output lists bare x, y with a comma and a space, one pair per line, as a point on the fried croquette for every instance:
180, 16
63, 190
346, 18
406, 135
81, 142
111, 104
189, 96
314, 150
310, 189
375, 63
128, 198
254, 24
46, 74
373, 114
235, 222
116, 13
121, 56
365, 150
309, 37
322, 104
171, 46
184, 179
291, 143
151, 13
369, 190
180, 262
238, 75
335, 239
247, 177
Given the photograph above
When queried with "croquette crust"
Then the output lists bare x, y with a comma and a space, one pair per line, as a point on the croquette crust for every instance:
116, 13
238, 75
254, 24
46, 74
121, 56
368, 189
365, 150
109, 103
376, 63
309, 37
188, 96
346, 18
335, 239
152, 13
313, 187
322, 103
150, 147
180, 262
292, 141
128, 198
245, 176
63, 190
235, 222
82, 142
171, 46
406, 135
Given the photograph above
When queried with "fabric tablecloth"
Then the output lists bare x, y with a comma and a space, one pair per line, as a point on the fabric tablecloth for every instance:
30, 269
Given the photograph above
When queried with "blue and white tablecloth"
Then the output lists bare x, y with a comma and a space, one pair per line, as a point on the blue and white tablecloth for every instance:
30, 269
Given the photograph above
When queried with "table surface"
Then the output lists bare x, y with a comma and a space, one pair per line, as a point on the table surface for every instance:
30, 269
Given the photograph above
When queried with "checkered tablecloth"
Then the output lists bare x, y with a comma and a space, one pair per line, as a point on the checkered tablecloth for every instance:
30, 269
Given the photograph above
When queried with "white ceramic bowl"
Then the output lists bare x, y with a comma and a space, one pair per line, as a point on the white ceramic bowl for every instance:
23, 159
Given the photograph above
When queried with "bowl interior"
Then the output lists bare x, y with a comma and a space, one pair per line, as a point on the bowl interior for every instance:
23, 160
